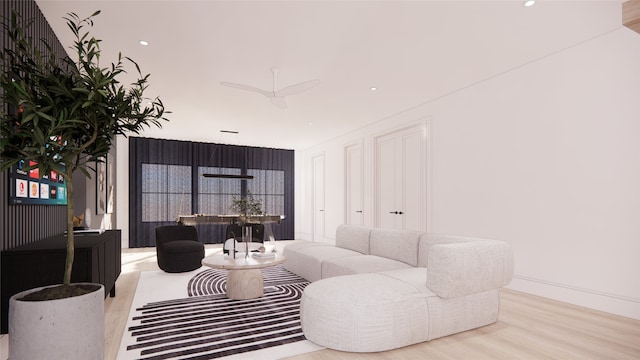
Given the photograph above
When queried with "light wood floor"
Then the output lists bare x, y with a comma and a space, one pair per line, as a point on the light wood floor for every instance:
529, 327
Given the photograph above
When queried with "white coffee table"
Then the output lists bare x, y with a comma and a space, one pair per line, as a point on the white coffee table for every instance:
244, 280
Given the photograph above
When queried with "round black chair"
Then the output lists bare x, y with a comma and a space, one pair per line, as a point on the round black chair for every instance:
178, 248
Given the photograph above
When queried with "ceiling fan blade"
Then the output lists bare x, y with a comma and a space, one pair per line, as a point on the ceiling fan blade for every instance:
248, 88
278, 101
297, 88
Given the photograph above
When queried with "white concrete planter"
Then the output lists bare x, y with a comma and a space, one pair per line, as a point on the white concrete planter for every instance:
71, 328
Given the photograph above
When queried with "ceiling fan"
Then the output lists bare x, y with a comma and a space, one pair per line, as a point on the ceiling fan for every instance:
277, 95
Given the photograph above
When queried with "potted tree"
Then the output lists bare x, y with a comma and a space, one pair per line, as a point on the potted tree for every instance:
246, 208
65, 114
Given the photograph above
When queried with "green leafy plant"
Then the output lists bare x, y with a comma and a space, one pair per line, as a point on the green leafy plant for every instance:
247, 206
65, 113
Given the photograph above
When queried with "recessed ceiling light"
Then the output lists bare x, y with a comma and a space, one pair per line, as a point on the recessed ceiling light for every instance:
529, 3
373, 88
309, 123
143, 42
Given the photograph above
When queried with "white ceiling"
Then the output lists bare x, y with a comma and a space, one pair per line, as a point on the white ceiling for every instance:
413, 52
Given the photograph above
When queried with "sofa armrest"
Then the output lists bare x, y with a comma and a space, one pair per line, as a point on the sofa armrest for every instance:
469, 267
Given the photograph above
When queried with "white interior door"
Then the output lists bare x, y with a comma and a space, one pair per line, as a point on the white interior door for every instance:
318, 198
354, 185
413, 197
386, 182
400, 179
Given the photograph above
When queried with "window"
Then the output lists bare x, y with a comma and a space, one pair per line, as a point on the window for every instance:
166, 192
214, 194
267, 186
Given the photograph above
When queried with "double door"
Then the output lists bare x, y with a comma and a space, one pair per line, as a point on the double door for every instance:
400, 179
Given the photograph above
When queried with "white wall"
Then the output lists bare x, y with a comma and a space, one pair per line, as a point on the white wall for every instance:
545, 156
85, 199
122, 184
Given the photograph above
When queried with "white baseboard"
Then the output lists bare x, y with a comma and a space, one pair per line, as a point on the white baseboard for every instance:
607, 302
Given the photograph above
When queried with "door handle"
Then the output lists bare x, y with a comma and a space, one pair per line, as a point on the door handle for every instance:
359, 211
321, 210
393, 212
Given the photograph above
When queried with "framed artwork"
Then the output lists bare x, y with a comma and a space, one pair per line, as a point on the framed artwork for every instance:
101, 186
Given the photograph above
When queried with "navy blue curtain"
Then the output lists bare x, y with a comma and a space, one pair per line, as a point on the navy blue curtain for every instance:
166, 180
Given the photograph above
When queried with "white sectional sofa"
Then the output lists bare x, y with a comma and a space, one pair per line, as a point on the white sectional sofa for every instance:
381, 289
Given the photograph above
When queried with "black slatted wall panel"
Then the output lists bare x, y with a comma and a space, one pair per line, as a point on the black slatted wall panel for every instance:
23, 224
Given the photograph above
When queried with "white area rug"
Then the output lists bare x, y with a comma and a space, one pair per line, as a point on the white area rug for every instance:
187, 316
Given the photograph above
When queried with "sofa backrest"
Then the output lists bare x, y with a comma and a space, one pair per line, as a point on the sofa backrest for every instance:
400, 245
354, 238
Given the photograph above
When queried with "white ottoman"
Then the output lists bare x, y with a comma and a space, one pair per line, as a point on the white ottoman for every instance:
364, 313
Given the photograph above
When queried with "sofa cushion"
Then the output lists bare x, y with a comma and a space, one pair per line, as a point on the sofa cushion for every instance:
359, 264
290, 252
469, 267
301, 244
363, 313
451, 316
414, 276
306, 261
354, 238
401, 245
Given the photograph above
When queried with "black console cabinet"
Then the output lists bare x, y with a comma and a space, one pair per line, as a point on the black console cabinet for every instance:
97, 260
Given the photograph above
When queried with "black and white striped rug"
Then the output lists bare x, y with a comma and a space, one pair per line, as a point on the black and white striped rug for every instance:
187, 316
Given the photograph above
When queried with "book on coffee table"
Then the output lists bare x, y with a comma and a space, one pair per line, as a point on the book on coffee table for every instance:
264, 255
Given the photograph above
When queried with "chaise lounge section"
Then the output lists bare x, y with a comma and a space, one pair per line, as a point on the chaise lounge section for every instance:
381, 289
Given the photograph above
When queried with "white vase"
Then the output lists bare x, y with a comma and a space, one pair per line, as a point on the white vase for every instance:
70, 328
